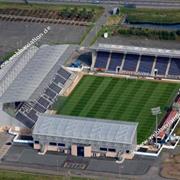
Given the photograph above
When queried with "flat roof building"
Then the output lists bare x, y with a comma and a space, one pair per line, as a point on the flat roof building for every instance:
84, 136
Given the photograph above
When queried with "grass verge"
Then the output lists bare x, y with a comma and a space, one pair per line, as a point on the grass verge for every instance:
6, 56
12, 175
158, 16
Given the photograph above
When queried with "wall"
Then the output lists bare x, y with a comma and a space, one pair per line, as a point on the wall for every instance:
94, 144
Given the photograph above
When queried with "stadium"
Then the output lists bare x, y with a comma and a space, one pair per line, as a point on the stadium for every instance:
91, 101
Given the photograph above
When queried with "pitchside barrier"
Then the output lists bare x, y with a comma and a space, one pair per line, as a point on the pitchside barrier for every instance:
163, 146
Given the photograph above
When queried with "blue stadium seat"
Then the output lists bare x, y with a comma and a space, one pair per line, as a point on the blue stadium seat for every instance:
116, 60
174, 67
102, 59
161, 65
130, 62
146, 64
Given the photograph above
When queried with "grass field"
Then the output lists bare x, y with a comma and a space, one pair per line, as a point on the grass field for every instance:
166, 16
12, 175
119, 99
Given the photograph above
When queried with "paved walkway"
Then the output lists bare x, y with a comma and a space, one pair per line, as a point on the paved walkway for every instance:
4, 138
23, 157
92, 34
139, 3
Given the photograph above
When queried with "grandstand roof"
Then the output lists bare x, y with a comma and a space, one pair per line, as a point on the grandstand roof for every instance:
35, 75
88, 129
139, 50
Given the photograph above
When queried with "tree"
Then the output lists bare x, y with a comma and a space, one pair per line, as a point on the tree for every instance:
65, 13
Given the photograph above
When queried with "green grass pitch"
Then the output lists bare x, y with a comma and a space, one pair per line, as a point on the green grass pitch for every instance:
120, 99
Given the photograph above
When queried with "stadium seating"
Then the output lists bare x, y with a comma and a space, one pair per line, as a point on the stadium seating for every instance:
58, 79
174, 67
50, 93
32, 115
43, 102
65, 74
55, 88
130, 62
146, 64
27, 114
116, 60
39, 108
161, 65
102, 59
26, 107
25, 120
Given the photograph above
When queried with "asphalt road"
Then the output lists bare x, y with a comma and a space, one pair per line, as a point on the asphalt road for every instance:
138, 3
14, 35
25, 156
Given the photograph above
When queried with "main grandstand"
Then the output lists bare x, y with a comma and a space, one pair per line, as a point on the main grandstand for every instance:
136, 60
32, 83
84, 136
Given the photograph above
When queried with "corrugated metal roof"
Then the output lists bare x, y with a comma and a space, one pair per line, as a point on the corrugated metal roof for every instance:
85, 128
140, 50
34, 72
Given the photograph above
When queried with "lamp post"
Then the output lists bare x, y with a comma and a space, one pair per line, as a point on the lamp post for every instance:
155, 112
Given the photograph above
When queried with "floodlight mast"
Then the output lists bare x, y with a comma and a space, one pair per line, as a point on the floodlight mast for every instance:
155, 112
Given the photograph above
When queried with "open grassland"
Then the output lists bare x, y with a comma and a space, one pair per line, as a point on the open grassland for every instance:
12, 175
170, 168
119, 99
159, 16
114, 20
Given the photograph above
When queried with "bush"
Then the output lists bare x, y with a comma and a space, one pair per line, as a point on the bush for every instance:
77, 13
65, 13
150, 33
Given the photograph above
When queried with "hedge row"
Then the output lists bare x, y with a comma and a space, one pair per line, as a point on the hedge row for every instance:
149, 33
77, 13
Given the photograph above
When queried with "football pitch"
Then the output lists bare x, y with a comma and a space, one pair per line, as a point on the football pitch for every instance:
120, 99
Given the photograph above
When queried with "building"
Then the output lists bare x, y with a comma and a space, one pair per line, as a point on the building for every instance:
137, 61
31, 82
115, 11
80, 136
